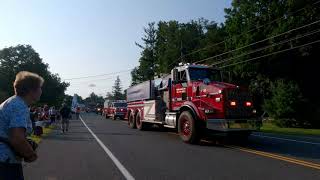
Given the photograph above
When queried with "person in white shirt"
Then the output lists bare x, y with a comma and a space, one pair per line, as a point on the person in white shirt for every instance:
52, 114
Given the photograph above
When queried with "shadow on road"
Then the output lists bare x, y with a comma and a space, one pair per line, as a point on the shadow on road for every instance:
67, 137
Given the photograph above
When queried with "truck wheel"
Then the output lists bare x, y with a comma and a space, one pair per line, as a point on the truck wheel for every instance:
132, 121
187, 129
139, 123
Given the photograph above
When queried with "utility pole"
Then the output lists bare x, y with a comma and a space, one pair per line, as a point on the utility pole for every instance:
182, 58
181, 47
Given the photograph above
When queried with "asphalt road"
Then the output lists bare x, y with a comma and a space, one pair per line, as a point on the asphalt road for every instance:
113, 151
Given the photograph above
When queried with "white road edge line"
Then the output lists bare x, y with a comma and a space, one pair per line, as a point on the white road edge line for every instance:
306, 142
123, 170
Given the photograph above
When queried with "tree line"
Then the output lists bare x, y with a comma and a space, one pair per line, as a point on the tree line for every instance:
93, 99
271, 47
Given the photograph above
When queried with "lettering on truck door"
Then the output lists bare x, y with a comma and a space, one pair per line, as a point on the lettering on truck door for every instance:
179, 90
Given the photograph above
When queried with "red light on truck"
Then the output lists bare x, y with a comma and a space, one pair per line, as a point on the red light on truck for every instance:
233, 103
248, 104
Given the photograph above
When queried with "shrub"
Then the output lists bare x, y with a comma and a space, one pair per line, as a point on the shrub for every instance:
283, 104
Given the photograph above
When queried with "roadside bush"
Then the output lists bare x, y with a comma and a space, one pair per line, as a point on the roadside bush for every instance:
282, 106
260, 89
308, 115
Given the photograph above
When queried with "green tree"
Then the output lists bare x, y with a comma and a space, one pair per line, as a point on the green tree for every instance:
146, 69
68, 100
25, 58
137, 76
169, 43
93, 100
176, 41
109, 96
211, 43
250, 21
284, 102
230, 44
79, 99
117, 92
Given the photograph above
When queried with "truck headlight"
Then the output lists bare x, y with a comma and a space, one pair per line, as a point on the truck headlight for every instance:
233, 103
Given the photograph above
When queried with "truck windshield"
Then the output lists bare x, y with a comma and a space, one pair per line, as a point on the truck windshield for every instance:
120, 104
197, 74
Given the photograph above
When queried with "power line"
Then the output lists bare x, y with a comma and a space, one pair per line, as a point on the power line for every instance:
98, 79
287, 32
277, 52
266, 47
91, 81
107, 74
246, 32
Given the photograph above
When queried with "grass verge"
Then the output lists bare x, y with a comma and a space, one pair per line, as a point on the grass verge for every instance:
271, 128
46, 131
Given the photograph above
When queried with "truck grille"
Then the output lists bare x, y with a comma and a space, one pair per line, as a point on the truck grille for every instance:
240, 110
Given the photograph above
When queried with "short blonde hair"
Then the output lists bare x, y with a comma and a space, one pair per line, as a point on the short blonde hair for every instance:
26, 82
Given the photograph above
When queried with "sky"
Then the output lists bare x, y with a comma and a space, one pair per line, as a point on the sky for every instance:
80, 38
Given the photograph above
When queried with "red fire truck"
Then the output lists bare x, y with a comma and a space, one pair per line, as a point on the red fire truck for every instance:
195, 100
115, 109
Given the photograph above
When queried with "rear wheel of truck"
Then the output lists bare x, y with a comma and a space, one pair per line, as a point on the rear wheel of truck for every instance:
132, 121
139, 123
187, 128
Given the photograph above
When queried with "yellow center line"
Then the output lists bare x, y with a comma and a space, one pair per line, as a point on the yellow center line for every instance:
275, 156
270, 155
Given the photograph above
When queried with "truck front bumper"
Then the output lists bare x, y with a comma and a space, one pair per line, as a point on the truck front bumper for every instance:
119, 114
230, 125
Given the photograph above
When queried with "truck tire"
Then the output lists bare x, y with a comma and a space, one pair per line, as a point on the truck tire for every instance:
187, 128
132, 121
140, 125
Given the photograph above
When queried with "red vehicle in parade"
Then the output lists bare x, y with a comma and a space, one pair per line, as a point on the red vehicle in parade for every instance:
115, 109
194, 100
